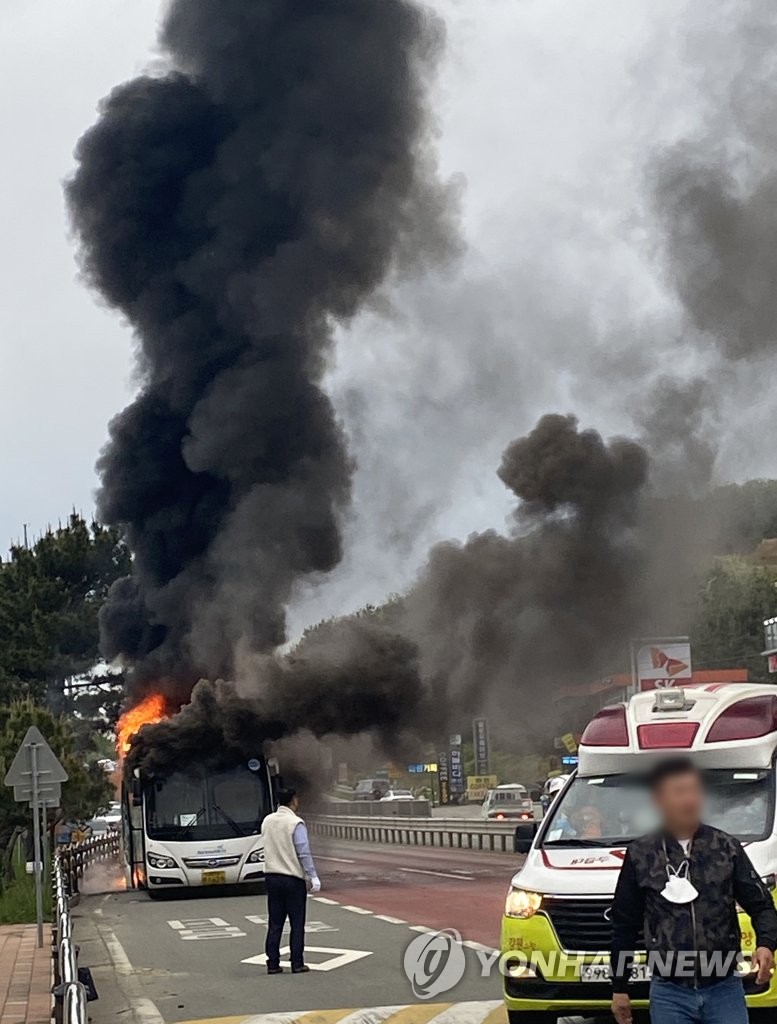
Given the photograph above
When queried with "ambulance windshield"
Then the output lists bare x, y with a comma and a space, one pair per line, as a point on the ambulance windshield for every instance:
614, 809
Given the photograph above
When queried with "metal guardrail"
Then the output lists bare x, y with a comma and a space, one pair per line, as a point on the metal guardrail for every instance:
453, 833
70, 862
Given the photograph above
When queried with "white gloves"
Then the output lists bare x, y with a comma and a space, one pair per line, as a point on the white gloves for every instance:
315, 884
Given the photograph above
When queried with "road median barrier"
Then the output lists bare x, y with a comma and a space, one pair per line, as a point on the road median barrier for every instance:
448, 833
381, 808
73, 985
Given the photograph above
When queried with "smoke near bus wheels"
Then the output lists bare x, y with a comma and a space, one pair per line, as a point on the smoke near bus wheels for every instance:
236, 207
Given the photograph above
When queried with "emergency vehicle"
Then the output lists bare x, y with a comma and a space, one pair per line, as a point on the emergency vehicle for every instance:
556, 923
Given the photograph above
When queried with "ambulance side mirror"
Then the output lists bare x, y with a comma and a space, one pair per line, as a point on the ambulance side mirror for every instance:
524, 836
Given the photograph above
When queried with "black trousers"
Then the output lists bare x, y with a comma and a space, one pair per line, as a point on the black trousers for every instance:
287, 896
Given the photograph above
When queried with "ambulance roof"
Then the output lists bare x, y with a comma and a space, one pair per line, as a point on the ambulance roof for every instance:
720, 725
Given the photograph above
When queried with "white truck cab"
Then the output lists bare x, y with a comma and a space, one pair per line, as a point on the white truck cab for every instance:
559, 902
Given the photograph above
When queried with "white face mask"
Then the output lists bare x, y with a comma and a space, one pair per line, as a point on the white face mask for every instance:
679, 888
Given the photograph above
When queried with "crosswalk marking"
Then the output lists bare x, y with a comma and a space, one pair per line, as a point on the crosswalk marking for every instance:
481, 1012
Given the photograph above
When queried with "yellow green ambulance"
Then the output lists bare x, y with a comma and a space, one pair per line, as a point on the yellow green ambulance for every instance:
556, 923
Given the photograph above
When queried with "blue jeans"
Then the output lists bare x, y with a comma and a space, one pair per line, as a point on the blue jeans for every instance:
723, 1003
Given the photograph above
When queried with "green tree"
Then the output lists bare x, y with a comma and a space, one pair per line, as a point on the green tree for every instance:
86, 792
744, 513
733, 600
50, 597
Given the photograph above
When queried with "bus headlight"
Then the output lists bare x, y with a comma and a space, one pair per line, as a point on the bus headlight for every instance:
520, 903
156, 860
256, 856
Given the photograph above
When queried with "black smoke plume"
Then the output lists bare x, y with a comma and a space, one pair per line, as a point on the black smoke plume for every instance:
489, 625
502, 619
346, 678
233, 209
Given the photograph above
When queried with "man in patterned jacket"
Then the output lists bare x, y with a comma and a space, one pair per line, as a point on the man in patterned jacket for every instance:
680, 886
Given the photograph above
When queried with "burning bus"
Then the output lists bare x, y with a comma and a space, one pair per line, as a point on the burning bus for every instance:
198, 822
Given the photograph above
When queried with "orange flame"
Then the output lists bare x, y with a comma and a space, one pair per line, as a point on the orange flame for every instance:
149, 711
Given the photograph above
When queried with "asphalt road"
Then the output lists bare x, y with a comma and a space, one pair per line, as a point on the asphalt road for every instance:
440, 888
201, 957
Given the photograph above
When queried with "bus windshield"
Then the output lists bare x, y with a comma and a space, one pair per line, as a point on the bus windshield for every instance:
614, 809
203, 805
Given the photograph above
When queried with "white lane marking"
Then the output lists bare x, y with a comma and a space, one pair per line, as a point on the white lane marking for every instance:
423, 928
391, 920
479, 947
310, 926
355, 910
337, 860
441, 874
143, 1009
339, 957
196, 929
323, 899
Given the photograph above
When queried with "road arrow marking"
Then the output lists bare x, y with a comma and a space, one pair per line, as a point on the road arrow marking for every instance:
339, 957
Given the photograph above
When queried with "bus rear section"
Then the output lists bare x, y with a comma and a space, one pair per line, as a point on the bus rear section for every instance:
197, 826
556, 925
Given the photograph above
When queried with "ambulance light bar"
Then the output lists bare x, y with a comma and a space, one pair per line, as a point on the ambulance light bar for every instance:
745, 720
667, 735
607, 729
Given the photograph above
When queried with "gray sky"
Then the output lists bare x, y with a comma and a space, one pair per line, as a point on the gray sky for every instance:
549, 114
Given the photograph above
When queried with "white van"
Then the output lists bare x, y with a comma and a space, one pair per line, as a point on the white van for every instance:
559, 902
510, 801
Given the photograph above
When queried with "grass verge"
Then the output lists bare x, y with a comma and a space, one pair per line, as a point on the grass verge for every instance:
17, 898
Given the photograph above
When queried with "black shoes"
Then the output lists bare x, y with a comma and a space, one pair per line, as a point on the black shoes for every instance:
300, 970
275, 970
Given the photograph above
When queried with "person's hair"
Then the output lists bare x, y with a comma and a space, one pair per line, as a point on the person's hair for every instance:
671, 768
285, 796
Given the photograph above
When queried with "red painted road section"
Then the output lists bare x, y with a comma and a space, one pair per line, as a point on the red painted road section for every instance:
459, 889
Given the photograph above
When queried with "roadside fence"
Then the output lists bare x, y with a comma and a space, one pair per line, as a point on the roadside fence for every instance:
73, 986
453, 833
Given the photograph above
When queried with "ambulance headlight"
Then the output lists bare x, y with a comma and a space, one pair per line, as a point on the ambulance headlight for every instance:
520, 903
256, 856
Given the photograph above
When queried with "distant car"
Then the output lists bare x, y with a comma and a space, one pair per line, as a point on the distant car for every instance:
371, 789
397, 794
510, 802
98, 826
113, 815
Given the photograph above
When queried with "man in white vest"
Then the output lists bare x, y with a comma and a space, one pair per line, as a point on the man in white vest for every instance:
287, 863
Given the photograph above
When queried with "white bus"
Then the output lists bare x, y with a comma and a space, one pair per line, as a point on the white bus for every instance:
559, 901
197, 826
